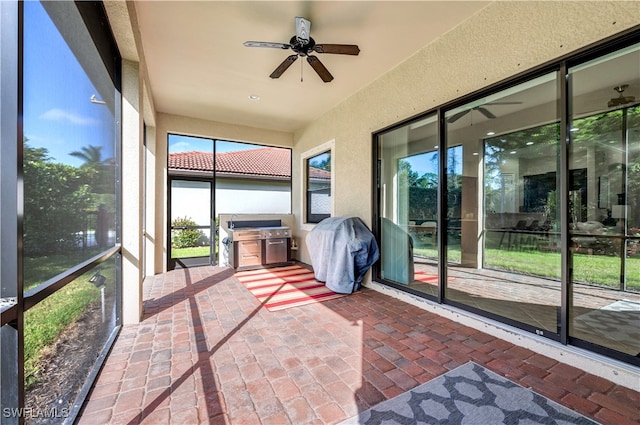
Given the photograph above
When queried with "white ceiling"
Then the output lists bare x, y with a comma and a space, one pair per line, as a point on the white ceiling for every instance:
198, 66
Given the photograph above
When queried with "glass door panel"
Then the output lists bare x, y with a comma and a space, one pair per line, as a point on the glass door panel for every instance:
502, 205
605, 224
191, 230
408, 159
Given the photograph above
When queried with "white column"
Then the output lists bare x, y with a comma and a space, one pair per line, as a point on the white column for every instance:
151, 237
132, 169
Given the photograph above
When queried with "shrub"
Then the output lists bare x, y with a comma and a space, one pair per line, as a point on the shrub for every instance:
185, 237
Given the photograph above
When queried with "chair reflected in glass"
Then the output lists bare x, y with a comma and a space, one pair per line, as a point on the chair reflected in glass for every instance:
421, 231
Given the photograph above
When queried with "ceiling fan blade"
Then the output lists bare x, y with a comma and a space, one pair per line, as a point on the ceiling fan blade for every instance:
505, 103
283, 66
315, 63
487, 113
455, 117
266, 44
340, 49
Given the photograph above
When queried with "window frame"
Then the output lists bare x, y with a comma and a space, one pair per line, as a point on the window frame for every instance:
309, 218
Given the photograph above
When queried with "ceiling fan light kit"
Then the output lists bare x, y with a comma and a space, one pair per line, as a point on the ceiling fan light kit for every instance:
304, 45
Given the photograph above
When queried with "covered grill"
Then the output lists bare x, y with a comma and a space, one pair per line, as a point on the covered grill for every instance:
342, 249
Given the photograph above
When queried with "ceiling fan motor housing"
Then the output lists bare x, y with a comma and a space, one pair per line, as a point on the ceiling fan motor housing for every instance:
301, 46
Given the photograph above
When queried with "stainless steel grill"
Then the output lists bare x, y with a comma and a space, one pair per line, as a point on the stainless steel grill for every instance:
260, 246
245, 234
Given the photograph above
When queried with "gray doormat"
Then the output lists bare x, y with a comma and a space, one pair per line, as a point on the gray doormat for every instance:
469, 395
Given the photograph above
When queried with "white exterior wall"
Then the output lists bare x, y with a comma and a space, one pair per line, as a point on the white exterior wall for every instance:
242, 196
239, 196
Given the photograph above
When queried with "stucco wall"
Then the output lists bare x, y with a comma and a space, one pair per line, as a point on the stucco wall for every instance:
502, 40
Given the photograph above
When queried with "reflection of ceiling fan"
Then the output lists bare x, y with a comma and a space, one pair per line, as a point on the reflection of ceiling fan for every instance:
484, 111
620, 100
303, 45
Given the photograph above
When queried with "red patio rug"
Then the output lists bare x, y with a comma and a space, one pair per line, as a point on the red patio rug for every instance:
284, 287
423, 277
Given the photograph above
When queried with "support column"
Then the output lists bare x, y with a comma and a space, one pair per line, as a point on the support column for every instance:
132, 195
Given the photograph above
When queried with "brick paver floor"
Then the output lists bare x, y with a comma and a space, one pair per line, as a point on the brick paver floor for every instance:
206, 352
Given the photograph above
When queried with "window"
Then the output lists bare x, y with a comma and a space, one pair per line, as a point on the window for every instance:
318, 172
67, 174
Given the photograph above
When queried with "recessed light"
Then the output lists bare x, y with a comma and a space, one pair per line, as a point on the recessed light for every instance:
529, 143
254, 97
491, 133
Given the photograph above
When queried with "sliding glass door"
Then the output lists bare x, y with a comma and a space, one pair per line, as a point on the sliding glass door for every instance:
408, 165
605, 221
522, 203
502, 205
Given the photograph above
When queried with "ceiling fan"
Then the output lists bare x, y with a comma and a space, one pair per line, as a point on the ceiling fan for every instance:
620, 100
304, 45
484, 111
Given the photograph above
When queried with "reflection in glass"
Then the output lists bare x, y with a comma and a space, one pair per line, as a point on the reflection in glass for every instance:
408, 205
502, 204
319, 204
64, 334
605, 223
522, 201
69, 146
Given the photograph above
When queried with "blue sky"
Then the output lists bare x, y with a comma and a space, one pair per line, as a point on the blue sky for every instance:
58, 114
179, 143
425, 163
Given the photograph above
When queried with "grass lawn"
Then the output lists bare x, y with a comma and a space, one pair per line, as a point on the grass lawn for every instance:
44, 322
41, 269
195, 251
595, 269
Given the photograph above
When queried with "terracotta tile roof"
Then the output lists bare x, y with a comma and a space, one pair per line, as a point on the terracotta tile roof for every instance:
319, 174
275, 162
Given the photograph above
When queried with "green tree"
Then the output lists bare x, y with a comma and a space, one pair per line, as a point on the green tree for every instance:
91, 155
324, 163
406, 176
56, 201
99, 171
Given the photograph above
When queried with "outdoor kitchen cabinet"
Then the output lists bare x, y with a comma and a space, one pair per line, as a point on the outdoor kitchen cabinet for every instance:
247, 253
259, 247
